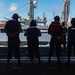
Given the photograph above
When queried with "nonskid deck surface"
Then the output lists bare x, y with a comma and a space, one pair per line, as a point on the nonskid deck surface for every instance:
44, 69
36, 69
43, 55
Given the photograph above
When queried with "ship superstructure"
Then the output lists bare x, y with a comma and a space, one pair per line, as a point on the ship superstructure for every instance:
32, 4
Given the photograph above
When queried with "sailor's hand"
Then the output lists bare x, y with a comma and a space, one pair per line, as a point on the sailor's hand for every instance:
58, 37
11, 35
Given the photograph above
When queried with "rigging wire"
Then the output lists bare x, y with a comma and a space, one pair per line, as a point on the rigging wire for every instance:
22, 11
13, 12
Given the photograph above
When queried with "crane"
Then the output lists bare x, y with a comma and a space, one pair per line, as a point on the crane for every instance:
31, 6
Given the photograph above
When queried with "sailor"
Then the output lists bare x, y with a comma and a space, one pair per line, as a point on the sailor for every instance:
64, 35
12, 29
32, 34
55, 30
71, 39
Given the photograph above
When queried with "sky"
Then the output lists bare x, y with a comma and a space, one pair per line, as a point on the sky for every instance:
8, 7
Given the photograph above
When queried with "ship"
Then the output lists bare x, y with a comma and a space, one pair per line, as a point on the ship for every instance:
44, 39
41, 24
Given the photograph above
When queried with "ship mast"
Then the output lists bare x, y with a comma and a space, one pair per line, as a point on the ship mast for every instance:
31, 6
66, 11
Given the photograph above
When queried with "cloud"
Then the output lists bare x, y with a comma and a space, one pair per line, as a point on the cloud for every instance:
1, 4
13, 7
57, 7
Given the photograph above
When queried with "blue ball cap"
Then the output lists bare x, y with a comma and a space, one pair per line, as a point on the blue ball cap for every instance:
33, 22
57, 18
73, 20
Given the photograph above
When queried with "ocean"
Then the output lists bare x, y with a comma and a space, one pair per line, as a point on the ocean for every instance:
44, 38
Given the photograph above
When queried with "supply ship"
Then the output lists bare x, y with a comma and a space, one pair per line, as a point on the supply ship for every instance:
41, 23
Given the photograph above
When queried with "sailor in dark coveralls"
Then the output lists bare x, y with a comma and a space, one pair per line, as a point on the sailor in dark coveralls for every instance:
71, 39
32, 34
64, 35
12, 29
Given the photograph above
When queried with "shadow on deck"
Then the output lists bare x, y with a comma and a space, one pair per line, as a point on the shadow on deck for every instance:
43, 69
